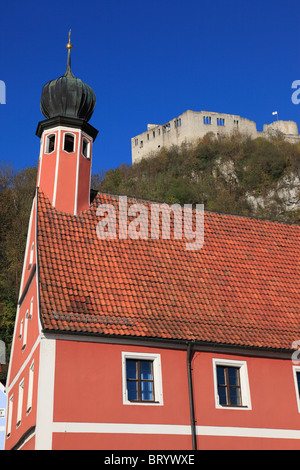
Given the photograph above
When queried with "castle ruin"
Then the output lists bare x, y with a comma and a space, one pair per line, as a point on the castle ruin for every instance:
192, 125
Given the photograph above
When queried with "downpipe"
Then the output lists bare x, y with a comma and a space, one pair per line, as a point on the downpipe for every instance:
191, 395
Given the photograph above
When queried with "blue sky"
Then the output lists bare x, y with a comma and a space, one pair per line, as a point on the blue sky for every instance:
147, 63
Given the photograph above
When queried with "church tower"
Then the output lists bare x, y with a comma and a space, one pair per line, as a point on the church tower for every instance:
67, 138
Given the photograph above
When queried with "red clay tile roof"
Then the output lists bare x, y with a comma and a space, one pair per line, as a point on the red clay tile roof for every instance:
241, 288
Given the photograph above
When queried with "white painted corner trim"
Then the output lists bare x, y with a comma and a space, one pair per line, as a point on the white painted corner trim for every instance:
45, 399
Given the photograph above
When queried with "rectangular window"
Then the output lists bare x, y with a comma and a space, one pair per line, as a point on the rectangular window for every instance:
86, 148
20, 402
21, 329
142, 383
30, 388
298, 381
231, 384
31, 256
25, 330
9, 418
296, 371
139, 376
229, 388
50, 143
31, 309
69, 143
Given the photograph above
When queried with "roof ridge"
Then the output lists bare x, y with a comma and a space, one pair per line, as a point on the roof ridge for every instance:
262, 219
206, 211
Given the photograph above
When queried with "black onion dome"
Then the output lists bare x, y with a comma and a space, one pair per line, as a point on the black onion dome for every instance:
68, 96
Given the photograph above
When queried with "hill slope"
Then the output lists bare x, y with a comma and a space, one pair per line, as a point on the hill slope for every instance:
235, 175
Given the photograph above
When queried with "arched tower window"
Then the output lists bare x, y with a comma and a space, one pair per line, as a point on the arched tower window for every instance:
86, 148
50, 143
69, 143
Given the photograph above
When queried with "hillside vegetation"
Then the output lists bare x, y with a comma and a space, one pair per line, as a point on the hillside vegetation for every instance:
234, 175
16, 193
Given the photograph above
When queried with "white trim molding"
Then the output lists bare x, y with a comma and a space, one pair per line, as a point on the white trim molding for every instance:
295, 370
244, 383
77, 171
157, 377
232, 431
45, 399
121, 428
56, 165
163, 429
72, 134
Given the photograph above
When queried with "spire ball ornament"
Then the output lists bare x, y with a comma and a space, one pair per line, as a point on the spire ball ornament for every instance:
67, 95
69, 45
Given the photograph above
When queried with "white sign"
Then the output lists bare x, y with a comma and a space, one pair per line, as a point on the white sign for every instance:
2, 352
2, 412
2, 92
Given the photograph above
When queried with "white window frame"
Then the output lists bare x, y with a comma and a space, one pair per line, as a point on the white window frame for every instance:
74, 137
30, 388
295, 370
31, 255
88, 148
244, 383
9, 418
21, 329
157, 377
31, 309
20, 402
48, 142
25, 330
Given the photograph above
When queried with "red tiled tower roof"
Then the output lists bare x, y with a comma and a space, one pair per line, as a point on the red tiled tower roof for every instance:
241, 288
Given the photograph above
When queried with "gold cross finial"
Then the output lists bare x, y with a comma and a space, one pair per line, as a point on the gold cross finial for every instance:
69, 45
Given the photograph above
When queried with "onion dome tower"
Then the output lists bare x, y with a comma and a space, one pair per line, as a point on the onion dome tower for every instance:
66, 141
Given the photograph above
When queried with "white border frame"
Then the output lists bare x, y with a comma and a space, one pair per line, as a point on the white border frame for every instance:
245, 390
295, 370
20, 402
46, 149
157, 376
9, 414
64, 139
88, 155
